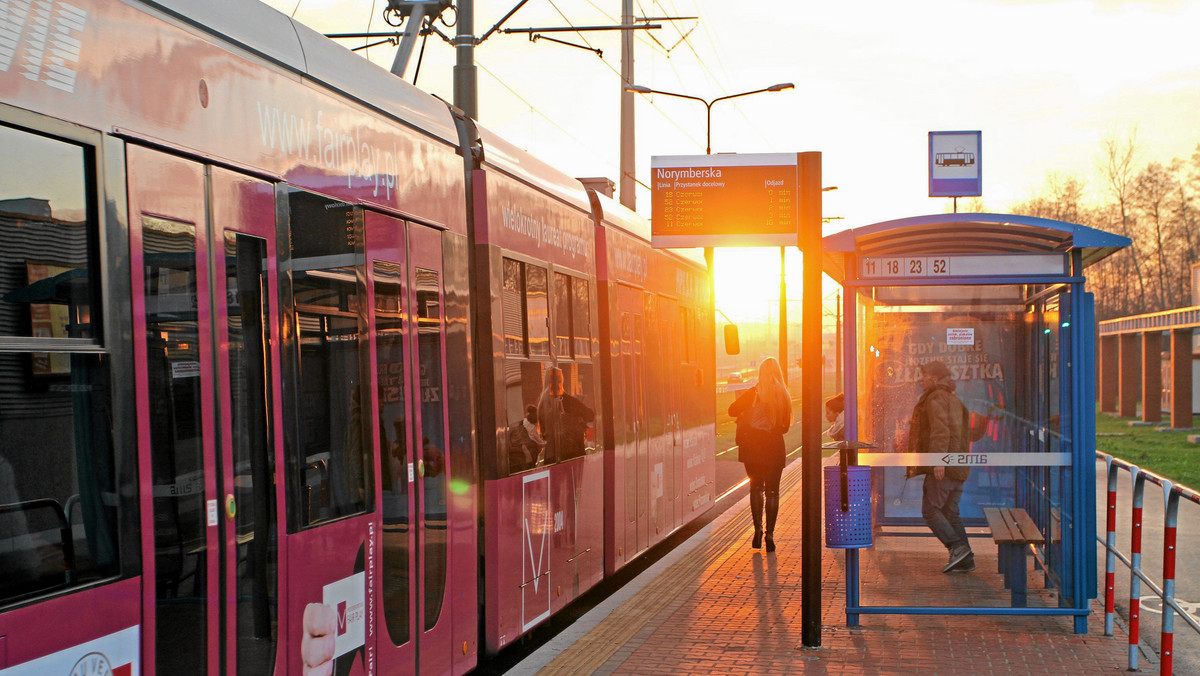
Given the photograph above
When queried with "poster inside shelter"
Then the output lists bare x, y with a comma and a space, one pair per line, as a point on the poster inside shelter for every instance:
984, 371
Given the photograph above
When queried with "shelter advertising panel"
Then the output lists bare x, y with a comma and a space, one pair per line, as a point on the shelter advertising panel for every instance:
724, 200
980, 350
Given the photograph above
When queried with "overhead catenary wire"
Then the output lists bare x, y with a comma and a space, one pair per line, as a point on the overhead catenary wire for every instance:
713, 77
535, 110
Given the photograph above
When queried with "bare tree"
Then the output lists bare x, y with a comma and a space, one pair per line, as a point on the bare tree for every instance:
1118, 170
1149, 195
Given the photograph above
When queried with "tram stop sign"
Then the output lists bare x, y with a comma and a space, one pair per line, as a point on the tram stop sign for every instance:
724, 200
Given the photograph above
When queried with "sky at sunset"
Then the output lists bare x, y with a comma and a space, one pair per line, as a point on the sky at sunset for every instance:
1043, 80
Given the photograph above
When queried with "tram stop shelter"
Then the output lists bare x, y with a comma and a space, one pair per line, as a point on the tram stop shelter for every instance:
1001, 300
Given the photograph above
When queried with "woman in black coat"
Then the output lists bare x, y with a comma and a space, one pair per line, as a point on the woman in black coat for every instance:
769, 407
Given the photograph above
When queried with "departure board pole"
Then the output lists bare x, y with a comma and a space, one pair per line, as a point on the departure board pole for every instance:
809, 227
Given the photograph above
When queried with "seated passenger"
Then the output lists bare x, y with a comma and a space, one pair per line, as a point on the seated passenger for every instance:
525, 444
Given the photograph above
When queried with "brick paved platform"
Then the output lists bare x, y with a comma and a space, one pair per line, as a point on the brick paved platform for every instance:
716, 606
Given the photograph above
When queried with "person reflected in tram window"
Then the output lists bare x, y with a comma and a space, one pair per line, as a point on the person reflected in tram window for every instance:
18, 556
835, 412
351, 466
941, 424
563, 419
525, 442
433, 458
768, 410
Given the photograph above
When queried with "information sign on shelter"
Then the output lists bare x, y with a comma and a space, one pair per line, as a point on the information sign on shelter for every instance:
724, 200
955, 164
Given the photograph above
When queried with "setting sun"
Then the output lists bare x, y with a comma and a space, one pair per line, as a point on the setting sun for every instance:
747, 282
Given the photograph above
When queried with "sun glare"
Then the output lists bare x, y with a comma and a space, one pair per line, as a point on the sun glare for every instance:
747, 284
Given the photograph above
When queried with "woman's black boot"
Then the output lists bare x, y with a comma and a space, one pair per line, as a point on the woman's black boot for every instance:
756, 509
771, 500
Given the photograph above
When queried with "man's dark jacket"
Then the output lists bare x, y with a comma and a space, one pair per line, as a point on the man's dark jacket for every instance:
940, 424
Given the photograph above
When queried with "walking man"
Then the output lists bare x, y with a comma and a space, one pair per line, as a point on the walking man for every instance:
939, 425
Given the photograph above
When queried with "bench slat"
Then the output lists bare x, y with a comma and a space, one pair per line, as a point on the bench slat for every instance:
1029, 530
1012, 525
998, 525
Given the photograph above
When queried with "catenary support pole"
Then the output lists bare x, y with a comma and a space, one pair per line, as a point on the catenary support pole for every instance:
466, 84
627, 184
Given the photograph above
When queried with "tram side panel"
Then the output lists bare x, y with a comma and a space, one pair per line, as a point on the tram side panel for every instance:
544, 507
693, 378
659, 458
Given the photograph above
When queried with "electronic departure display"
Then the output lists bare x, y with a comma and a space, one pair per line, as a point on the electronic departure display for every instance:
724, 200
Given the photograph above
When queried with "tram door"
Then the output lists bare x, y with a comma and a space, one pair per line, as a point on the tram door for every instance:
408, 336
202, 241
670, 334
635, 460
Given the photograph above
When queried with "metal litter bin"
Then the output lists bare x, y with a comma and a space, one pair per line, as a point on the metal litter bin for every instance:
848, 521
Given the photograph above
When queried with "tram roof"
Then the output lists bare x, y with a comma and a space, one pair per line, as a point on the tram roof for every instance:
273, 35
968, 233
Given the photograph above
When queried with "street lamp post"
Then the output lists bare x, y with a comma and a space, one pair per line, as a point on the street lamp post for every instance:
708, 104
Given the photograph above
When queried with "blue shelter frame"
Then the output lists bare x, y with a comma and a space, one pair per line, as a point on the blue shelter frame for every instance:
1000, 298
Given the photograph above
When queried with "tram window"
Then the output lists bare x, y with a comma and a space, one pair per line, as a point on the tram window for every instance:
59, 506
581, 324
249, 334
537, 311
525, 301
562, 315
394, 453
49, 233
513, 305
433, 441
689, 334
578, 435
330, 472
522, 388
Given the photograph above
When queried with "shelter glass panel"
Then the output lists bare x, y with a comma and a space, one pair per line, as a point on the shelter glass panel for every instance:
962, 383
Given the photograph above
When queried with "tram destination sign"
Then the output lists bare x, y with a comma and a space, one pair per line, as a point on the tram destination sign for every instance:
724, 200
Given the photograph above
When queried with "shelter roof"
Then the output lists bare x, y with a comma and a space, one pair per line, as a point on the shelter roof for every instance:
968, 233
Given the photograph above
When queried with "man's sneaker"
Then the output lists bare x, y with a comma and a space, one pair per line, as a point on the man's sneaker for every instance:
957, 554
965, 566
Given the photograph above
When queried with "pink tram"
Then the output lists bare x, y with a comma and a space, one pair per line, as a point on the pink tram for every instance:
275, 329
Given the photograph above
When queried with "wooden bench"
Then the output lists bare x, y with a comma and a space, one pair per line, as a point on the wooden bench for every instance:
1013, 532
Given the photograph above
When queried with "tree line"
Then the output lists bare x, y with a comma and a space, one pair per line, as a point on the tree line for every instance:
1155, 205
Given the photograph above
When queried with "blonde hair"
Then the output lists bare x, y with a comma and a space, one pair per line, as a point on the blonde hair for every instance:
773, 391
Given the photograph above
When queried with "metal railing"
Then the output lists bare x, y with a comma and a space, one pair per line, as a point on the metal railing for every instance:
1172, 493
